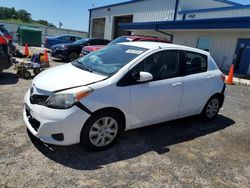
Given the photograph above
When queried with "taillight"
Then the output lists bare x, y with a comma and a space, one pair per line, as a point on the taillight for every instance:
223, 77
3, 40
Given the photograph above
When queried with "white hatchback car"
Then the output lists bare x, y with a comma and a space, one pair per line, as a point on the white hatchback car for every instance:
121, 87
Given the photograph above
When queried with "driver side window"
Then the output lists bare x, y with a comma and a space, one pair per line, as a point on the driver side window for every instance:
162, 65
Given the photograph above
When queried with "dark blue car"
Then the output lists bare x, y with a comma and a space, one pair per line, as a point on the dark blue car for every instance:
72, 51
50, 41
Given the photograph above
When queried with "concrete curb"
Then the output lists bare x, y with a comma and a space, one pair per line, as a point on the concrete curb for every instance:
241, 82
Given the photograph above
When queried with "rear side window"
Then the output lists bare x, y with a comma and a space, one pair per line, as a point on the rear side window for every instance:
72, 39
77, 38
193, 63
105, 42
66, 38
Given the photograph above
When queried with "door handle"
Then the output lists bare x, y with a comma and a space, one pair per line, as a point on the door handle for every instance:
177, 84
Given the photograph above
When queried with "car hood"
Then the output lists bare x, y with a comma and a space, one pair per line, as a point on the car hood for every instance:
63, 77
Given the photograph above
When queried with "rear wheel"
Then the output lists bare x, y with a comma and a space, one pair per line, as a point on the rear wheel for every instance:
102, 130
36, 71
212, 108
73, 56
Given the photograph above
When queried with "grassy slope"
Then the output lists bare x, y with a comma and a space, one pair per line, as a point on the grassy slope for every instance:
17, 21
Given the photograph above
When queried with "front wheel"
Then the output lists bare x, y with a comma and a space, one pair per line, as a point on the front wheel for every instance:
73, 56
212, 108
102, 130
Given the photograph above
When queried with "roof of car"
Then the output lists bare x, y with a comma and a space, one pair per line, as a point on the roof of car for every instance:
64, 35
157, 45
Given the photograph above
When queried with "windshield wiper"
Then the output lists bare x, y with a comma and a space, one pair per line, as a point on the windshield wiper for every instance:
80, 65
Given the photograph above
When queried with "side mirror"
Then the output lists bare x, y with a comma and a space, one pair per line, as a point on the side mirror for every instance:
145, 77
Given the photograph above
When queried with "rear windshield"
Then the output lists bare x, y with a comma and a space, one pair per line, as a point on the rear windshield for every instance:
120, 40
4, 30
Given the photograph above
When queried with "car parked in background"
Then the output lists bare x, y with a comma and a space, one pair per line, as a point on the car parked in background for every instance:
6, 33
71, 51
87, 49
121, 87
53, 40
5, 57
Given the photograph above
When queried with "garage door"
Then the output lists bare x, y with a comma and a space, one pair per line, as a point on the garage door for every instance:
98, 28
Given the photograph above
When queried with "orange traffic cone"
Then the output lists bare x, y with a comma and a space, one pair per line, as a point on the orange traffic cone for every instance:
46, 58
26, 50
230, 77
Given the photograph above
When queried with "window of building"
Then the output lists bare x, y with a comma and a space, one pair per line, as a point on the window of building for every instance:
204, 43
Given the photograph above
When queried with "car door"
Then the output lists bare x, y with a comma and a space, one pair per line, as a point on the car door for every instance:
159, 99
197, 84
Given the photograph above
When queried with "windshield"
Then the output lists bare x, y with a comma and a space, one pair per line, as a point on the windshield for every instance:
120, 39
109, 60
80, 41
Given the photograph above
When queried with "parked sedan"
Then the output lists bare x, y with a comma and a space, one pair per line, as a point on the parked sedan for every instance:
72, 51
50, 41
124, 86
87, 49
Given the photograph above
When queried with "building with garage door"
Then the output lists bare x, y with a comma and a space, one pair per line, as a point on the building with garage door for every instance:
218, 26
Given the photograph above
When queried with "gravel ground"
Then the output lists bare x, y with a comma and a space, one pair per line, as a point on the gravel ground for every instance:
183, 153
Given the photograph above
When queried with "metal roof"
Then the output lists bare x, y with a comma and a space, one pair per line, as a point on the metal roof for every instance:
217, 23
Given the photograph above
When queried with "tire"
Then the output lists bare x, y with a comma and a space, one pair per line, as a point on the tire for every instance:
36, 71
19, 73
211, 108
26, 74
73, 56
96, 135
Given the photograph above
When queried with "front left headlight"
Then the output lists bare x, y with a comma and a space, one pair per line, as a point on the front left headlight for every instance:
68, 98
64, 47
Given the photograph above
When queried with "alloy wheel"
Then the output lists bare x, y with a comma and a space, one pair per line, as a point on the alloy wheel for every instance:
212, 108
103, 131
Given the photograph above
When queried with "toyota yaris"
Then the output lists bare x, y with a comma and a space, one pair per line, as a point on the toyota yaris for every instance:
94, 99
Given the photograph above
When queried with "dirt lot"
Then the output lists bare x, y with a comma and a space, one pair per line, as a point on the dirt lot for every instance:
183, 153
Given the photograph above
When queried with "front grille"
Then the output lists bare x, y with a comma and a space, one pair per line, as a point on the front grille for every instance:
38, 99
35, 124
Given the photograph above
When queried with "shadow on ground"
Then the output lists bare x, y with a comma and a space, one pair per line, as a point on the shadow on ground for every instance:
134, 143
7, 78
